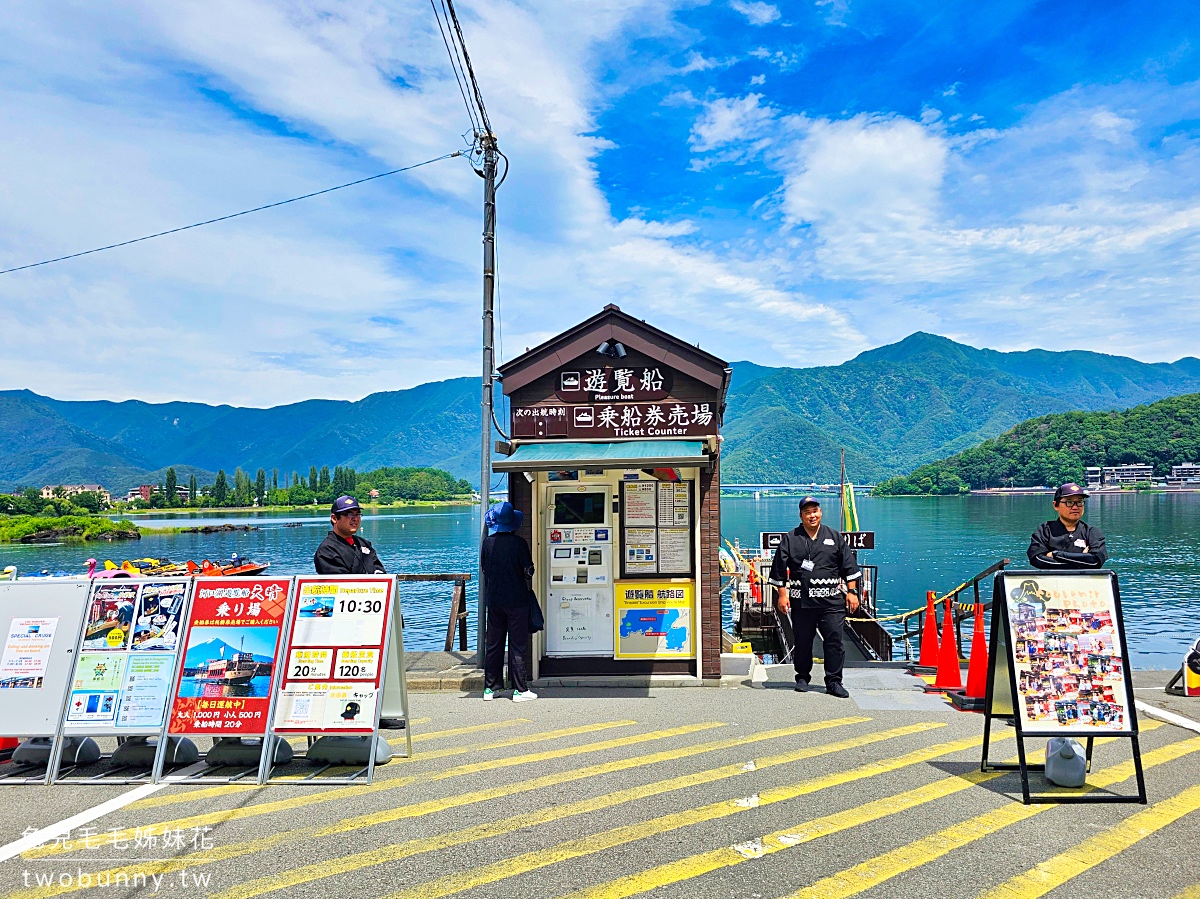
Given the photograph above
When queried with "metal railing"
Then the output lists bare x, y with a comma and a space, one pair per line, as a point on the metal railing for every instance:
912, 620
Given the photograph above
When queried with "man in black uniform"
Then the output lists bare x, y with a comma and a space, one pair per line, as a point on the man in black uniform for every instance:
341, 552
810, 572
1068, 542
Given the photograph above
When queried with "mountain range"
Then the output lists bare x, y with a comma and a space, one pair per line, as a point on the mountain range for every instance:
892, 408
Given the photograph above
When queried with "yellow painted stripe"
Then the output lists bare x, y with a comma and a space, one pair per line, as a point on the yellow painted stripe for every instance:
877, 870
234, 850
360, 860
1056, 871
572, 849
727, 856
334, 795
1192, 892
299, 743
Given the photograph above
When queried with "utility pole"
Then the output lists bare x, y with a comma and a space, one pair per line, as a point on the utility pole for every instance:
488, 143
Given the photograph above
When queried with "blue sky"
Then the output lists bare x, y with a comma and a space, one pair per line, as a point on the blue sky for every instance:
791, 183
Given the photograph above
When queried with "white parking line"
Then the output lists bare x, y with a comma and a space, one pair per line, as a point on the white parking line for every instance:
1169, 717
46, 834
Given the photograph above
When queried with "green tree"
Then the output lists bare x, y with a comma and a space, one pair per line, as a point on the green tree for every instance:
220, 491
275, 479
193, 491
169, 487
260, 487
312, 479
324, 482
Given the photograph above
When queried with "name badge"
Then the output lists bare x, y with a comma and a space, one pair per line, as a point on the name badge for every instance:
828, 542
366, 552
1080, 543
807, 565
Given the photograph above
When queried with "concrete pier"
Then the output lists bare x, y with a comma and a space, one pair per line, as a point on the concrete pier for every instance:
725, 792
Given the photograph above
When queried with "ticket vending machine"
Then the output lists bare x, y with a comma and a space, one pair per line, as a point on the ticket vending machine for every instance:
578, 570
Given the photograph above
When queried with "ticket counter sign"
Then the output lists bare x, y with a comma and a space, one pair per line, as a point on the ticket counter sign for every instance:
334, 656
228, 673
655, 620
126, 665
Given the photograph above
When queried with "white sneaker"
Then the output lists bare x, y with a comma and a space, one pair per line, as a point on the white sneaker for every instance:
488, 695
527, 696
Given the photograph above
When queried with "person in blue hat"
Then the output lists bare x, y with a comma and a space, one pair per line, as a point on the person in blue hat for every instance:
342, 552
815, 576
1068, 542
507, 565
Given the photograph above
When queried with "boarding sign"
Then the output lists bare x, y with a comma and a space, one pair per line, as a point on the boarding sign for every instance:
39, 627
128, 652
1067, 650
334, 659
228, 674
655, 620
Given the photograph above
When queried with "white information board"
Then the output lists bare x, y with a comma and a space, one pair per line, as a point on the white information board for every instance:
40, 624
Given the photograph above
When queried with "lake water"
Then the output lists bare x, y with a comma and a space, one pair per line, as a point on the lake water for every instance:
922, 544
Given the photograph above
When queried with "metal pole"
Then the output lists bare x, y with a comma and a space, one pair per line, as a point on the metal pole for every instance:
488, 142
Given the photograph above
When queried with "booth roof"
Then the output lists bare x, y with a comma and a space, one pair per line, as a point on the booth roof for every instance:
560, 455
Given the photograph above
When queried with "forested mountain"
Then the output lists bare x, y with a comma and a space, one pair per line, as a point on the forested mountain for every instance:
893, 408
926, 397
1053, 449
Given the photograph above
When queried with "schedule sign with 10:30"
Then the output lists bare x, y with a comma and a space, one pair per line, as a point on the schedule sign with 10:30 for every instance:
334, 655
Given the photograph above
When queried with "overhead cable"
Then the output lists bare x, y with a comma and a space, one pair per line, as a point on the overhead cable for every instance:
225, 218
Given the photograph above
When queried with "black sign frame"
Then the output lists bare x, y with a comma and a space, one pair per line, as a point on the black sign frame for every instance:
1002, 696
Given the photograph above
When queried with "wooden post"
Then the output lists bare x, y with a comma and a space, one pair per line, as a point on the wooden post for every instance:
458, 617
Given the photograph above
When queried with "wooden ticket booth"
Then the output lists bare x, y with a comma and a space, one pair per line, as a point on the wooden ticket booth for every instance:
615, 460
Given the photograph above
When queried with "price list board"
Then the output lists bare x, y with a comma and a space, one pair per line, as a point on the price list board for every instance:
656, 528
229, 663
335, 656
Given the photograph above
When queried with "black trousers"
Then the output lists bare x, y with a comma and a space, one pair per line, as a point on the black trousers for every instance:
514, 624
805, 624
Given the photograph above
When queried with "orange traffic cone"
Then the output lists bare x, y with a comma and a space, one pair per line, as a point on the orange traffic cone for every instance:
949, 677
929, 638
974, 698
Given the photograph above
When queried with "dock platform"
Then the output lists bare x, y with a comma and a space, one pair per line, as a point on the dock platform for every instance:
729, 792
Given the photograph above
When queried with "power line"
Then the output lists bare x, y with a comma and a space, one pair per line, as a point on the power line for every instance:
225, 218
456, 66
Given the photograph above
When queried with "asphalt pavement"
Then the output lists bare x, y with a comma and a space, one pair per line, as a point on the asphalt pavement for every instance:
667, 792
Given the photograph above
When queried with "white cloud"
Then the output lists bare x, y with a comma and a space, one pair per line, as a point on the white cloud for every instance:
731, 120
757, 13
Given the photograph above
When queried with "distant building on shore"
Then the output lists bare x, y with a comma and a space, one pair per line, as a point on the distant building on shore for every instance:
1128, 475
69, 490
1094, 475
1187, 473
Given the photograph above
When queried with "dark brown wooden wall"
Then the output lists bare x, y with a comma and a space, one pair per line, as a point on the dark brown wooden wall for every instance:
710, 568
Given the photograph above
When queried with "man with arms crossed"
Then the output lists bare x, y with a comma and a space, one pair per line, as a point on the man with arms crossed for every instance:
810, 572
1068, 542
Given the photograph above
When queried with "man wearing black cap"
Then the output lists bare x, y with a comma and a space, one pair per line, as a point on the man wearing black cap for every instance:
812, 567
341, 552
1067, 542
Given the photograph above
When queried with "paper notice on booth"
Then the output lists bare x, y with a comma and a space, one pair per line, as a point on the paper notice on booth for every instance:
640, 508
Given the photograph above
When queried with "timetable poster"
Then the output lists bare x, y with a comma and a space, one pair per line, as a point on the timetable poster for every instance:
233, 636
333, 674
656, 529
121, 682
1065, 638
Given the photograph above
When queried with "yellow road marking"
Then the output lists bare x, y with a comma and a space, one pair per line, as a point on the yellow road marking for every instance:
617, 836
360, 860
727, 856
1056, 871
875, 871
1192, 892
234, 850
298, 743
333, 795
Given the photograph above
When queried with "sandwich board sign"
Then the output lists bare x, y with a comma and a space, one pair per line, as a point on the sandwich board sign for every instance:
229, 663
336, 656
39, 626
1059, 666
127, 660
